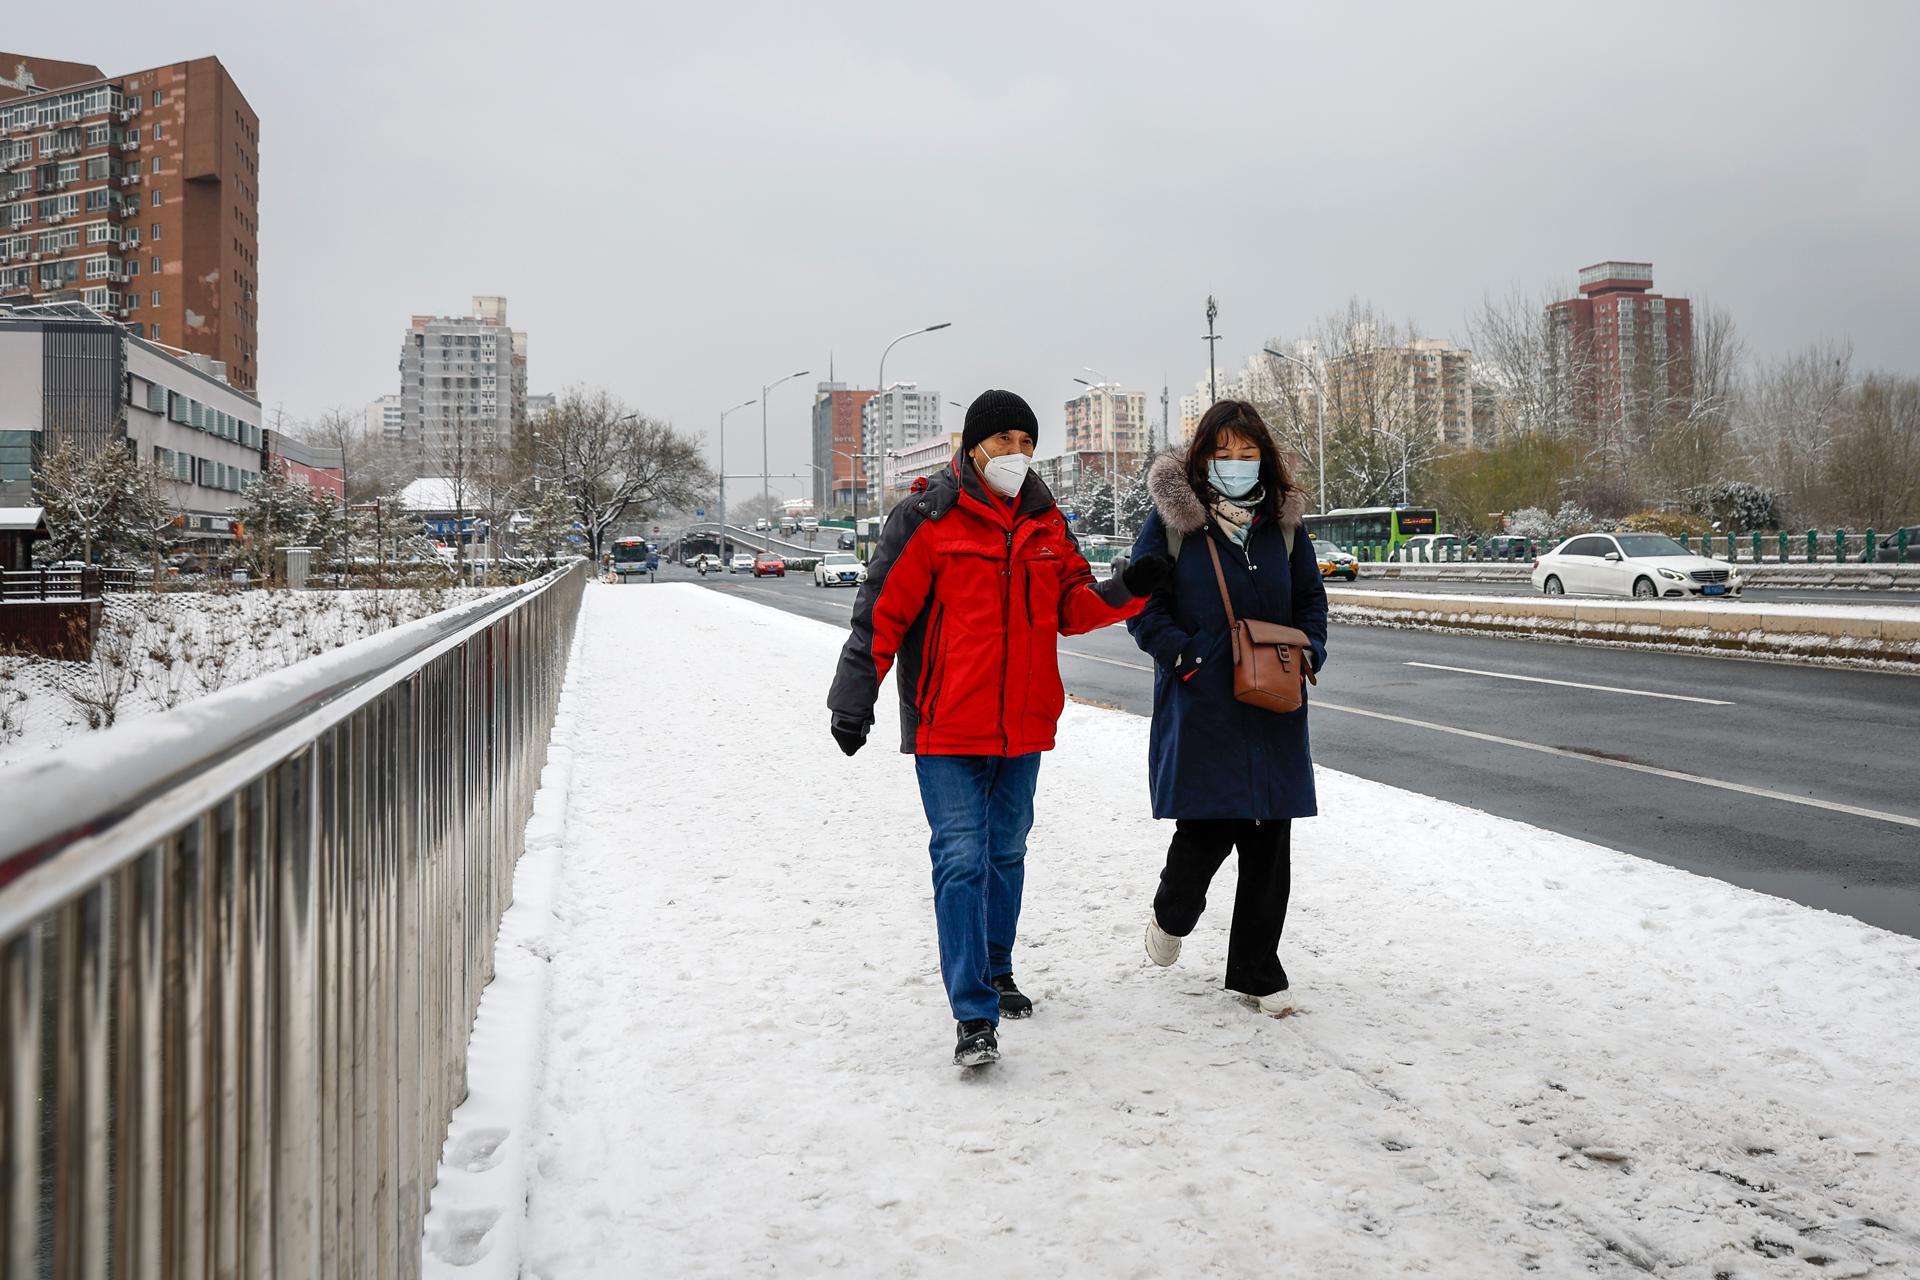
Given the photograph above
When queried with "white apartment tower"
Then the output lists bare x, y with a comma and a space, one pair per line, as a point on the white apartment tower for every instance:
463, 382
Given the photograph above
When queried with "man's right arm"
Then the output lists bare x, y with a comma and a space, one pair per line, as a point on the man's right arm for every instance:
899, 578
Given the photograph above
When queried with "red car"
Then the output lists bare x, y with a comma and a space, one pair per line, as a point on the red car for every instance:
767, 562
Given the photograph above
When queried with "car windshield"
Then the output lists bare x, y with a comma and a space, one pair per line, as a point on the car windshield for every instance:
1641, 545
841, 559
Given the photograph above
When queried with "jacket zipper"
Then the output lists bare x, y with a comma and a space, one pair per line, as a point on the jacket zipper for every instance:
1006, 641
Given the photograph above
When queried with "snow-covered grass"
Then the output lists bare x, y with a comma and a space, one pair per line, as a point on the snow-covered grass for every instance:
1518, 1053
158, 650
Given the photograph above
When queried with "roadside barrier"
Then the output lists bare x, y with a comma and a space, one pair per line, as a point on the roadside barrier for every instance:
1854, 637
241, 946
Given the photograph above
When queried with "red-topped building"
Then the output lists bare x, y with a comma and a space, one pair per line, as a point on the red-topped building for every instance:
1623, 345
137, 195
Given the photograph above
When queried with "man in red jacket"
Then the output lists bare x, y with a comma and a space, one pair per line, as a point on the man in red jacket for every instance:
974, 581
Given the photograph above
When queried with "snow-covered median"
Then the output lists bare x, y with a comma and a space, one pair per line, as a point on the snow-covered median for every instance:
157, 651
1520, 1054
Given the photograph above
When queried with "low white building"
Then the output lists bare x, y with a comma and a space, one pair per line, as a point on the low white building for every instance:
66, 373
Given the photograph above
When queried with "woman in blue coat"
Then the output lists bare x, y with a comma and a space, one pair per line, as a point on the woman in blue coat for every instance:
1231, 775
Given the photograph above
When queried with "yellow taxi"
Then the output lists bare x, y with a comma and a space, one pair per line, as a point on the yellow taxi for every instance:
1335, 563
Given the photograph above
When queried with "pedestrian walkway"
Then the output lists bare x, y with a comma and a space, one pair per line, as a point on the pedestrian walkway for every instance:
1519, 1054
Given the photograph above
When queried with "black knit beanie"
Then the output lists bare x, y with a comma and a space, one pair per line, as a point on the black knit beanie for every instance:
993, 412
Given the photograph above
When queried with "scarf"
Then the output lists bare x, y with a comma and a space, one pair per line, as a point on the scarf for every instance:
1235, 515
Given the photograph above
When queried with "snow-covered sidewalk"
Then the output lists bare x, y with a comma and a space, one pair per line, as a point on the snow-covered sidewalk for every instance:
1519, 1053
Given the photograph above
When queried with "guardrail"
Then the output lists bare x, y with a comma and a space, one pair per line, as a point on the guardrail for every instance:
241, 946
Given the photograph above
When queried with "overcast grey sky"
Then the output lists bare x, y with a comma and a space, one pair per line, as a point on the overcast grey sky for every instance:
684, 201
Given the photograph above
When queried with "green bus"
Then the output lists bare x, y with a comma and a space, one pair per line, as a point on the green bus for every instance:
1372, 532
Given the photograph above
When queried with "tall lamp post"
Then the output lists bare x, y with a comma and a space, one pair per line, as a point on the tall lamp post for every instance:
1105, 388
1213, 389
723, 470
1319, 414
856, 459
886, 428
765, 487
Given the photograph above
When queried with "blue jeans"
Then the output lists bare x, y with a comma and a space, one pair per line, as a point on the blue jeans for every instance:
980, 809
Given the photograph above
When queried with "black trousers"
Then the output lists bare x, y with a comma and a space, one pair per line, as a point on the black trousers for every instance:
1259, 903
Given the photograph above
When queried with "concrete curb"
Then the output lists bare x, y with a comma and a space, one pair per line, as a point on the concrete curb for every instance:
1863, 577
1857, 638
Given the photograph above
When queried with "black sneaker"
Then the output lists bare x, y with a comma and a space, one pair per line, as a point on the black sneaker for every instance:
1012, 1003
978, 1044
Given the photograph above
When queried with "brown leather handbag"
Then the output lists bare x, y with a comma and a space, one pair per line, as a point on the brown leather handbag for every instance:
1272, 664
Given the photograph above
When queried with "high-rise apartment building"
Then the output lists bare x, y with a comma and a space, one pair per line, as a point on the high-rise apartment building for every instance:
838, 469
463, 383
1103, 419
1620, 347
138, 196
386, 419
1194, 405
902, 416
1422, 387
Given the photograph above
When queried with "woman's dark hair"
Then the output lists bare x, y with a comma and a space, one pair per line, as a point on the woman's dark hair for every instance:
1241, 419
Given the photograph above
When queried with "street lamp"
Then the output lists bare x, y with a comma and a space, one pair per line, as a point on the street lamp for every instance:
723, 469
765, 501
1319, 413
1105, 388
886, 432
856, 459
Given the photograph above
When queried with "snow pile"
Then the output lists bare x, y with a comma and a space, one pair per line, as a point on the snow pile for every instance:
156, 651
1518, 1052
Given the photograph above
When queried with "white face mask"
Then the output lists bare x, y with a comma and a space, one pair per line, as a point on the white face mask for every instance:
1006, 473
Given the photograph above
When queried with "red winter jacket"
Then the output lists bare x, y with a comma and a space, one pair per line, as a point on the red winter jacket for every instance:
970, 594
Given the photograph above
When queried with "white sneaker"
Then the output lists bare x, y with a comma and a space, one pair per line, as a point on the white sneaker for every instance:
1162, 947
1277, 1005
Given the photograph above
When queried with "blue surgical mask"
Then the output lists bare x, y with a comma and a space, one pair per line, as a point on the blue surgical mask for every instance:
1233, 477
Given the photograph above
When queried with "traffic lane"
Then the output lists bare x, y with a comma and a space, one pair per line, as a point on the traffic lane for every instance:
1758, 595
1842, 862
1840, 734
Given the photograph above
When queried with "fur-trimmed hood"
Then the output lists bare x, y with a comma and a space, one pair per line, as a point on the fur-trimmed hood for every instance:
1183, 511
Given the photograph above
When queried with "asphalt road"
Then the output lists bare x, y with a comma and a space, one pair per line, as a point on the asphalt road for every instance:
1796, 781
1755, 595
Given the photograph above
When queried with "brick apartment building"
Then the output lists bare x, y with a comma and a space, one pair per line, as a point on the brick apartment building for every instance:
1621, 345
1087, 420
839, 473
138, 195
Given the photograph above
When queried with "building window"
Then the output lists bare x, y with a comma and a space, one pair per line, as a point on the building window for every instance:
155, 202
155, 268
156, 164
156, 297
154, 234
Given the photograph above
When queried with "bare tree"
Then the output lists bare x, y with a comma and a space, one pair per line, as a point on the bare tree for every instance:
1873, 472
610, 461
1531, 367
1786, 418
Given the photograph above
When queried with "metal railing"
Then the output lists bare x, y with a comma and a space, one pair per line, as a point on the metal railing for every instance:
66, 584
241, 946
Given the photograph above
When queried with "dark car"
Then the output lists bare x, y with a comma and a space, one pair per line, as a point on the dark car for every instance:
1886, 547
845, 542
768, 563
1504, 546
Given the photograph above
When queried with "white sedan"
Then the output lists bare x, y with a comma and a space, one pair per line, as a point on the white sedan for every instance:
740, 564
1647, 566
839, 568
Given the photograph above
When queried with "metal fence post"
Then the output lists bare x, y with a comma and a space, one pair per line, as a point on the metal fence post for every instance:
1869, 543
1839, 546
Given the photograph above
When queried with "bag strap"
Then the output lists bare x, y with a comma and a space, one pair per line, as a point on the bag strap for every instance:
1220, 576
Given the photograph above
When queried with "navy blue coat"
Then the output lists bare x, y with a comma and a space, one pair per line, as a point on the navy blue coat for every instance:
1210, 755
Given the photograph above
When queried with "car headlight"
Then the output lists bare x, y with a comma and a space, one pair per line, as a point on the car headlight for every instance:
1673, 575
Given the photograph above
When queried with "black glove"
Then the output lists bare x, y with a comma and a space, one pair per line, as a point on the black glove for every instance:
849, 735
1147, 574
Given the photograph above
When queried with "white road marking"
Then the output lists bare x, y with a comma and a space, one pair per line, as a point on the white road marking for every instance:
1811, 802
1112, 662
1571, 684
